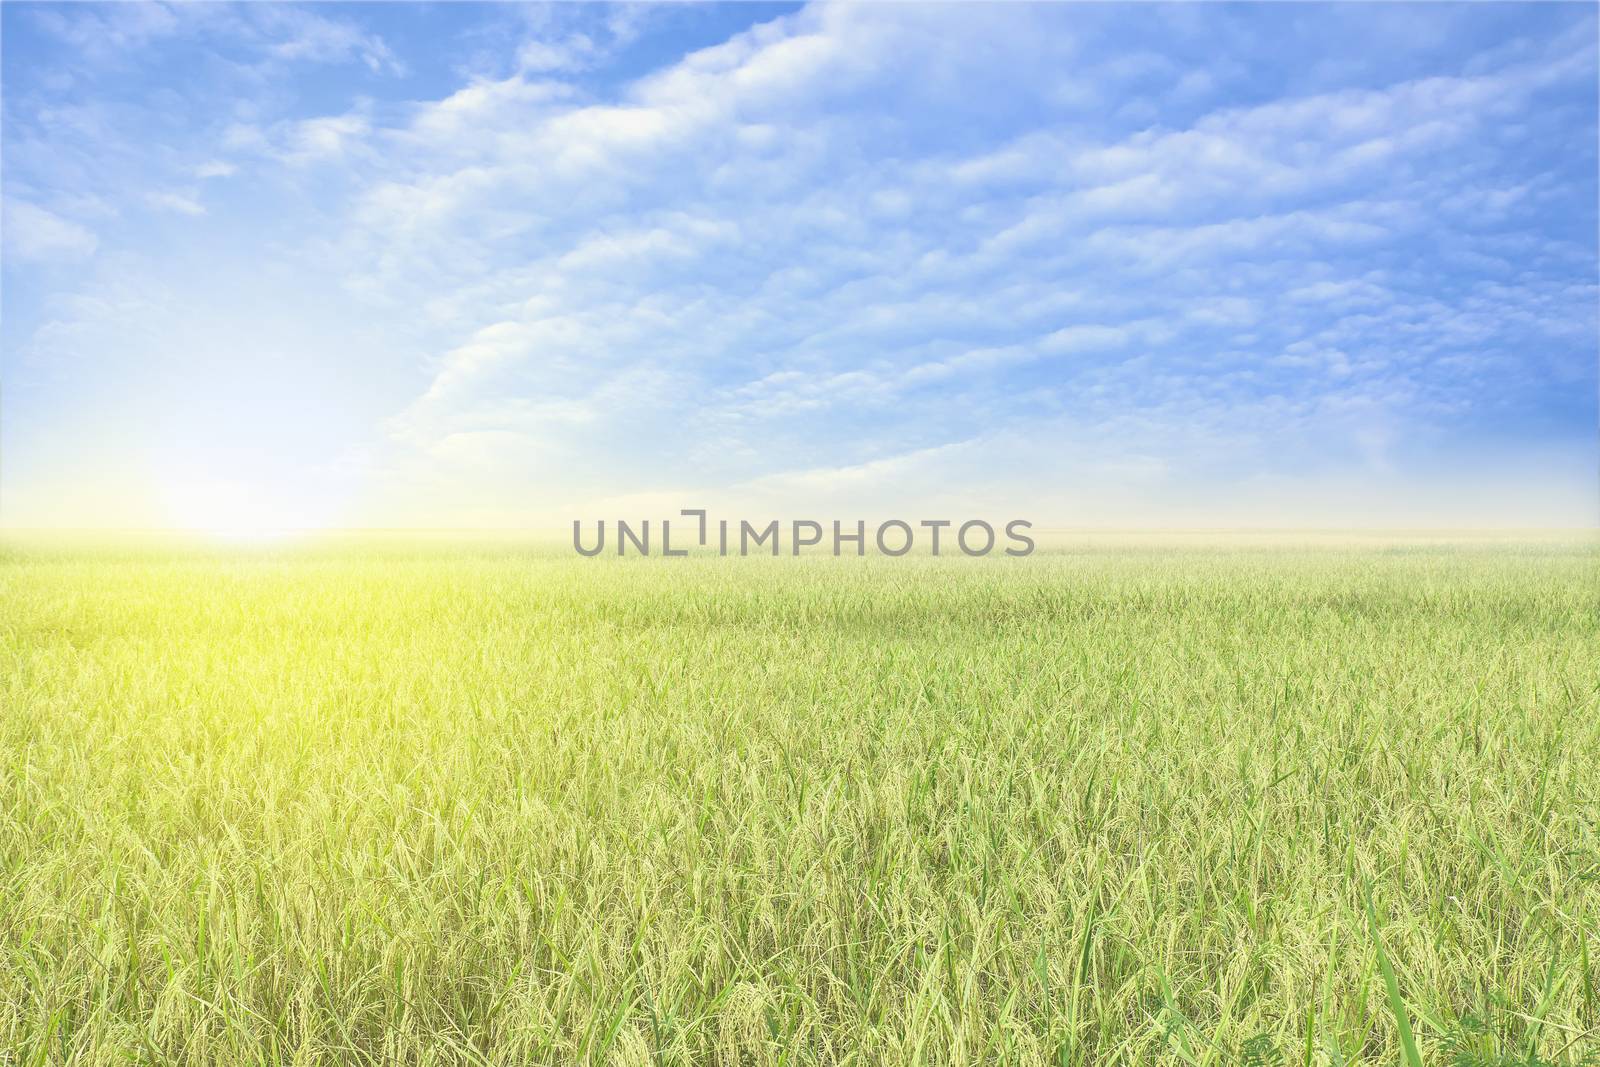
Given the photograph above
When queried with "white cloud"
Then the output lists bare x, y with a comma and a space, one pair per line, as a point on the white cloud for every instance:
282, 33
312, 140
298, 34
481, 107
104, 33
539, 57
178, 203
34, 234
302, 142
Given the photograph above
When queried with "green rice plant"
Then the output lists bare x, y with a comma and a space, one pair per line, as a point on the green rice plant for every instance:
394, 801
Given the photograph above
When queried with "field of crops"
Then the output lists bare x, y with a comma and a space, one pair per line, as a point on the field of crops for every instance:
413, 803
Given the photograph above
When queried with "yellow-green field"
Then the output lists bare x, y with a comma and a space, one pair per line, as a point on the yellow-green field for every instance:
406, 803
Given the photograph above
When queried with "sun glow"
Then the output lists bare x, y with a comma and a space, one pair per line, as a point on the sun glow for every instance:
233, 510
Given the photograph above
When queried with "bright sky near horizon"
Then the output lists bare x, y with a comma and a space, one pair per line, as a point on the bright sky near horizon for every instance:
480, 265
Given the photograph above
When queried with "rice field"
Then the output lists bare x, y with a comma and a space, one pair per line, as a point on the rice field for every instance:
405, 802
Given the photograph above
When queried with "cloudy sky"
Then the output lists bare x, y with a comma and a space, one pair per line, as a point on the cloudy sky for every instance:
479, 265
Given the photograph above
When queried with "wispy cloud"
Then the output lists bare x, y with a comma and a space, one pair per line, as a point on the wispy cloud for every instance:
33, 234
181, 203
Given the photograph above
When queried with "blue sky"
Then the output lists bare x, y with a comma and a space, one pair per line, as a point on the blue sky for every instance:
481, 265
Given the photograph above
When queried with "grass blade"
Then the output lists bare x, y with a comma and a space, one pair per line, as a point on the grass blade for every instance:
1408, 1040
